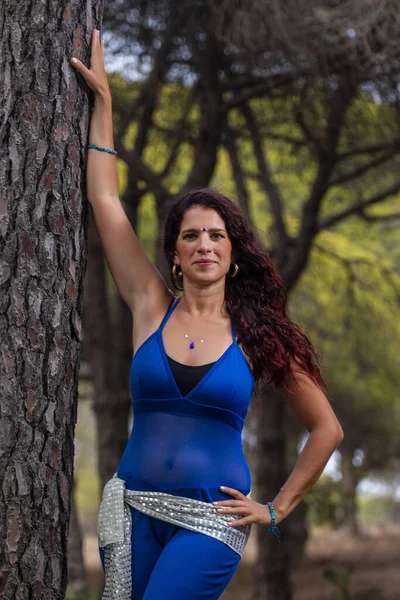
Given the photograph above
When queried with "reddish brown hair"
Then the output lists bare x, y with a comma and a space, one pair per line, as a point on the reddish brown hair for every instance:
255, 299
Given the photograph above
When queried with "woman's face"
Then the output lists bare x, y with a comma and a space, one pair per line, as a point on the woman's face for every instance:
203, 248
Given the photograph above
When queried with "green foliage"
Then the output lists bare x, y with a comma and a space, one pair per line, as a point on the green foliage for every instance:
147, 224
347, 300
293, 160
87, 496
378, 512
323, 503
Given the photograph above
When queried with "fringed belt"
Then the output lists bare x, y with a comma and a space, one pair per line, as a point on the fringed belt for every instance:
114, 528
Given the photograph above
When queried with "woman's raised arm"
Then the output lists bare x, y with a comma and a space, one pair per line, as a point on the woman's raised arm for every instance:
137, 279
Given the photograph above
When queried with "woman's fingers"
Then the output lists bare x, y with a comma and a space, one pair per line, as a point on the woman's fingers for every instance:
96, 52
240, 510
228, 503
79, 66
96, 43
86, 73
241, 522
95, 77
232, 492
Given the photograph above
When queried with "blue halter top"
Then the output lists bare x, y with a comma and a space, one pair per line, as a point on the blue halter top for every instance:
187, 445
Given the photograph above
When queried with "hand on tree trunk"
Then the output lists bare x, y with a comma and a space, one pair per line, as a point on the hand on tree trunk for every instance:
96, 76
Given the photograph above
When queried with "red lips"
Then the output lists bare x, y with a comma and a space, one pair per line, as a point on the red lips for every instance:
204, 262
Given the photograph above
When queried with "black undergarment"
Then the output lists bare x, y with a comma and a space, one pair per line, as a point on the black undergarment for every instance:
186, 376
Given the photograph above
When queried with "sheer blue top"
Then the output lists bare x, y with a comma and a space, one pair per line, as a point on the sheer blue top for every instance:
187, 445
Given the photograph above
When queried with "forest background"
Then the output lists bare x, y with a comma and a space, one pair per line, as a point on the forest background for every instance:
286, 133
292, 109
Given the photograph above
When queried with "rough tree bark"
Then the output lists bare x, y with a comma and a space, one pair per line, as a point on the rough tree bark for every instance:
44, 125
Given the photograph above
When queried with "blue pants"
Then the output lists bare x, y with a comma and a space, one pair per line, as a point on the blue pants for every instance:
173, 563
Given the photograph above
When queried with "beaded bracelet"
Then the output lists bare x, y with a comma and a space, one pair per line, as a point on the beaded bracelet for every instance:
102, 149
273, 528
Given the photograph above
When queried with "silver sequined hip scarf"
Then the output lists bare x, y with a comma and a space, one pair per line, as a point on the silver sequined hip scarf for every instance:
115, 525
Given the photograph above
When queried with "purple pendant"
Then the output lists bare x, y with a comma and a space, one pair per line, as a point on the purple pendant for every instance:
191, 345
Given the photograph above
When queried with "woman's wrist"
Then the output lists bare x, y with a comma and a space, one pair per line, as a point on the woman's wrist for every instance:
280, 511
280, 514
103, 97
101, 129
273, 525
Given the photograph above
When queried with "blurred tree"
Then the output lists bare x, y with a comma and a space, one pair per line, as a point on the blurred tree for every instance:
324, 503
76, 567
108, 350
44, 124
322, 37
358, 331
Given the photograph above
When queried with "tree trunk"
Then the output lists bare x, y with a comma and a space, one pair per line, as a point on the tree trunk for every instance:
348, 505
76, 567
272, 567
44, 126
297, 533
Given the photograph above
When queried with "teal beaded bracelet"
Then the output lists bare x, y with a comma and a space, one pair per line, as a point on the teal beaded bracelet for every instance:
102, 149
273, 528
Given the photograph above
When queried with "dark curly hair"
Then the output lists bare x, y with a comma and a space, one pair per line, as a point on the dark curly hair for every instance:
255, 299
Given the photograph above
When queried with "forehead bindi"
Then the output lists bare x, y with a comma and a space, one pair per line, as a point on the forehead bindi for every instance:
199, 218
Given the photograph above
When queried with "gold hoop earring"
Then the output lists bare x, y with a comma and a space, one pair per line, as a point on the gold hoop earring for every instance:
235, 270
176, 276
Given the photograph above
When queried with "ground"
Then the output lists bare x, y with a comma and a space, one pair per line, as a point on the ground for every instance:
375, 558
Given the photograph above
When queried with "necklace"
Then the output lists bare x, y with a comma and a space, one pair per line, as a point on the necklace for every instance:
192, 344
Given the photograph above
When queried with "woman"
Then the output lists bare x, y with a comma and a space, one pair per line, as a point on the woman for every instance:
168, 527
